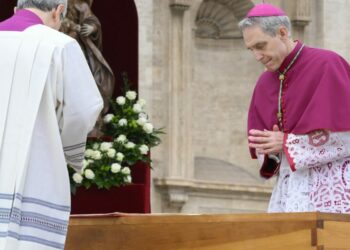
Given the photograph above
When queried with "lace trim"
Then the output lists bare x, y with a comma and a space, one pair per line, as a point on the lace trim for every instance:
316, 148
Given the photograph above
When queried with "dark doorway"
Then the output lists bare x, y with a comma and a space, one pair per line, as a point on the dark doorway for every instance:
6, 8
120, 38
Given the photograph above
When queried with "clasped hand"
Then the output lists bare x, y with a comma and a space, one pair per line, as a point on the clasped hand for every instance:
265, 141
86, 30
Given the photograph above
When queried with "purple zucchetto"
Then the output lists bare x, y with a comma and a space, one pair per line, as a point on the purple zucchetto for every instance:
265, 9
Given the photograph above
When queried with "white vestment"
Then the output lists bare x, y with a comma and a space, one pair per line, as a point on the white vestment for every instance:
314, 174
49, 102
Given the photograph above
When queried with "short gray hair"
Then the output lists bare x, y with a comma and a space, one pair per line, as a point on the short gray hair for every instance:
44, 5
269, 24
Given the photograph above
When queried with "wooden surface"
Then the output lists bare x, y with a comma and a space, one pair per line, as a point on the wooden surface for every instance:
301, 231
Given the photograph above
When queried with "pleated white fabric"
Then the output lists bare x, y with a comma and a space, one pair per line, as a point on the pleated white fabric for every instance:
48, 103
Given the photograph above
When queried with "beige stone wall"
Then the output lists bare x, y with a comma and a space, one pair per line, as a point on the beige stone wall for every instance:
220, 75
314, 32
224, 78
330, 26
153, 76
220, 95
336, 19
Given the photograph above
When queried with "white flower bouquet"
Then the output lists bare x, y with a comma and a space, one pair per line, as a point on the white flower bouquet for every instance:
129, 136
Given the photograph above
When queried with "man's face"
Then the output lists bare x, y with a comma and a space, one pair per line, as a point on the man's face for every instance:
270, 51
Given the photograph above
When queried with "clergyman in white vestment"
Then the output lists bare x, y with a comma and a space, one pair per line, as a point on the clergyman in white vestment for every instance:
49, 102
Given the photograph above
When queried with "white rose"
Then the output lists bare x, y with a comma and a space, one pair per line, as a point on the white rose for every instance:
126, 171
89, 174
120, 100
137, 108
115, 168
111, 153
141, 121
142, 102
89, 152
121, 138
77, 178
120, 157
96, 155
108, 118
144, 149
143, 115
85, 163
105, 146
130, 145
128, 179
96, 146
131, 95
148, 128
122, 122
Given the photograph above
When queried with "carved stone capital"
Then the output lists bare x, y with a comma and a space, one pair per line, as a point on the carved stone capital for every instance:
180, 5
300, 23
177, 199
300, 12
175, 193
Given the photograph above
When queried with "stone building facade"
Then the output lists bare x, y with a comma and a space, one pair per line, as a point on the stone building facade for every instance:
197, 78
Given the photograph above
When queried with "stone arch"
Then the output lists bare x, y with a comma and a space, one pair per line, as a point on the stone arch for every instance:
218, 19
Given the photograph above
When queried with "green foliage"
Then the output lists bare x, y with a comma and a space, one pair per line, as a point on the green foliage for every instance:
128, 138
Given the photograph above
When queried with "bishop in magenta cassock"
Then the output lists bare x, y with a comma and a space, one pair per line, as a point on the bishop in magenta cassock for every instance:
299, 117
48, 103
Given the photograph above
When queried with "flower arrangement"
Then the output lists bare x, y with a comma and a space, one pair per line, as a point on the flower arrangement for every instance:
128, 137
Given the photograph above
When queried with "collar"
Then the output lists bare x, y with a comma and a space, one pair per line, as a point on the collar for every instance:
29, 16
290, 57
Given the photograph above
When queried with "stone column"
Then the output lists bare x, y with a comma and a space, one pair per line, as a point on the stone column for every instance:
180, 163
299, 12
